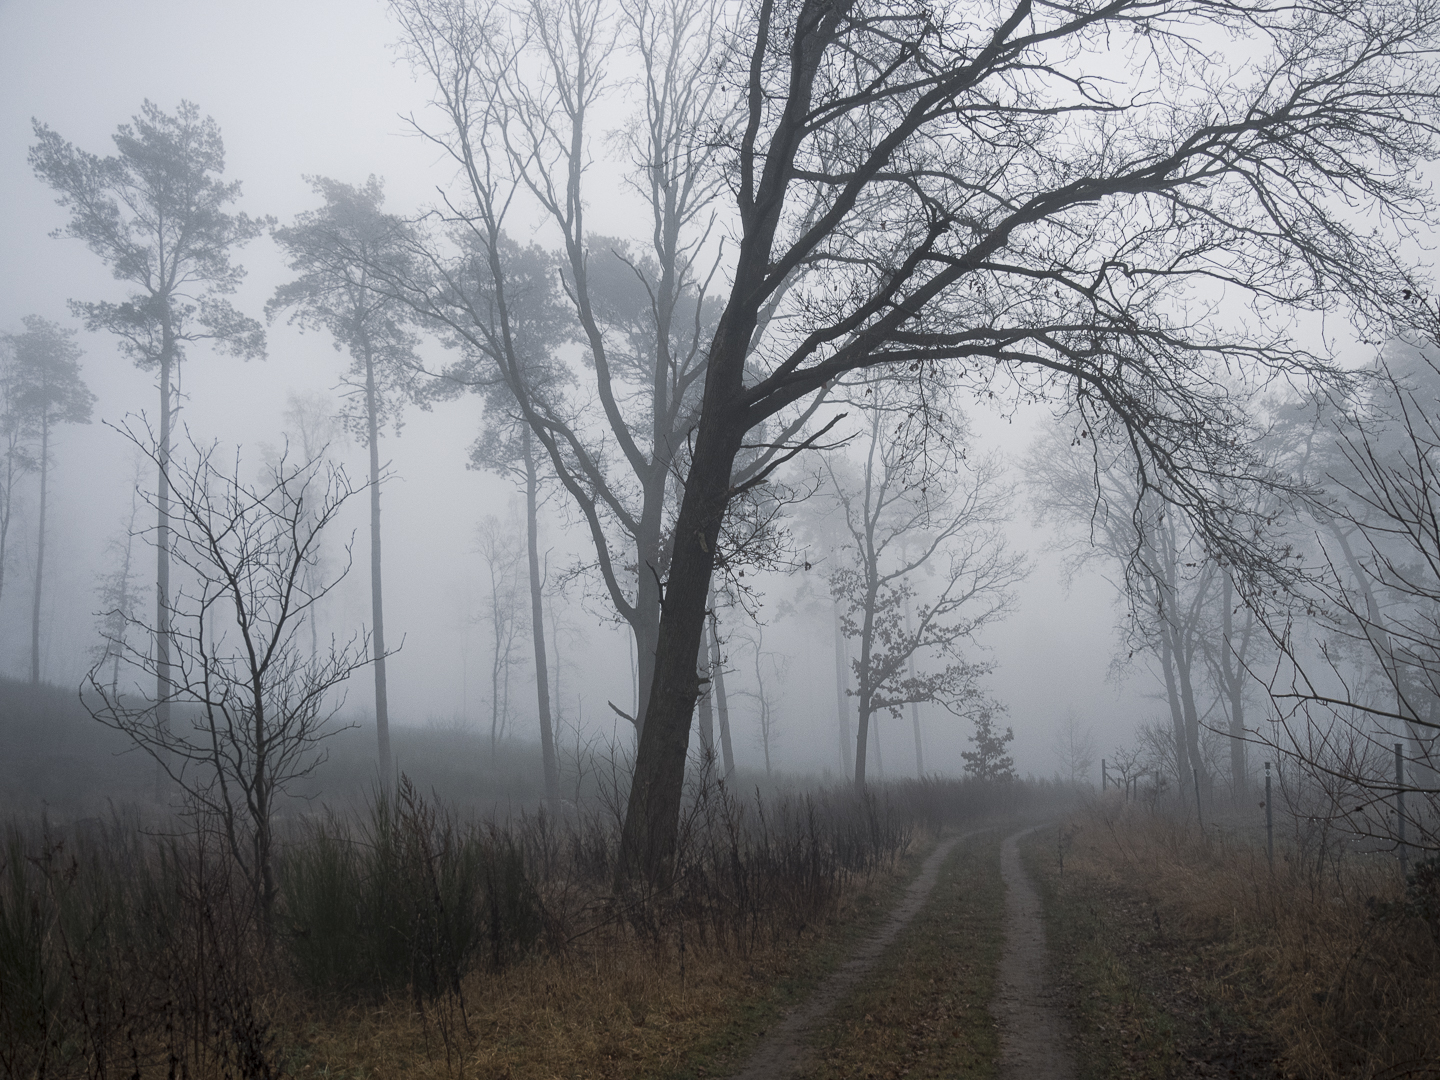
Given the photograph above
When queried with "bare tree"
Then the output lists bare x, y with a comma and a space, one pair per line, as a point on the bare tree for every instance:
993, 198
155, 214
519, 94
1168, 581
1357, 686
902, 523
337, 250
47, 390
119, 591
500, 549
14, 446
252, 706
1075, 749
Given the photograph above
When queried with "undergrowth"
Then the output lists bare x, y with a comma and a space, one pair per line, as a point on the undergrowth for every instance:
410, 940
1182, 940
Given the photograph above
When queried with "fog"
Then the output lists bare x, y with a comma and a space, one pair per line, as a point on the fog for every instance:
312, 87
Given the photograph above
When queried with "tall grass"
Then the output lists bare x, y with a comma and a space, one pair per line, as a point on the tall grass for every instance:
126, 951
1341, 957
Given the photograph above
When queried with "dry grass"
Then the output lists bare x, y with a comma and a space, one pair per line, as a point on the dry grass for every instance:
618, 1008
1212, 954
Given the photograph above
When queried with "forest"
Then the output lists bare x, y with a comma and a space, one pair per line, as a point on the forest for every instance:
530, 588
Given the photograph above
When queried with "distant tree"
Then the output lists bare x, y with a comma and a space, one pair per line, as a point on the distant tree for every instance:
255, 707
47, 391
119, 592
1127, 763
989, 761
17, 460
1075, 749
312, 429
500, 548
902, 523
778, 666
337, 251
155, 214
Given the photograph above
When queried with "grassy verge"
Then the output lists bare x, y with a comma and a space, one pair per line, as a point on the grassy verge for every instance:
1186, 955
1097, 936
615, 1009
923, 1011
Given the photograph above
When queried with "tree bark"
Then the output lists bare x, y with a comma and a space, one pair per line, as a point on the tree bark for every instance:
39, 552
537, 624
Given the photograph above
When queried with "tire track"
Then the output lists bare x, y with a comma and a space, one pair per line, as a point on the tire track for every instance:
784, 1050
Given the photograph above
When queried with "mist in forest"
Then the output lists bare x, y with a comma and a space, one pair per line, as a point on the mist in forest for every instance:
321, 90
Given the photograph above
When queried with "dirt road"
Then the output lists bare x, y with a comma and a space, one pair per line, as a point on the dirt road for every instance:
1032, 1032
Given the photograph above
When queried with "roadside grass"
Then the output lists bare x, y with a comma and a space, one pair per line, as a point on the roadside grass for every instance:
924, 1010
617, 1008
1187, 955
1119, 1028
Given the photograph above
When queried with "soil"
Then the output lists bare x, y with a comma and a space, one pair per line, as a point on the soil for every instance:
783, 1053
1029, 1006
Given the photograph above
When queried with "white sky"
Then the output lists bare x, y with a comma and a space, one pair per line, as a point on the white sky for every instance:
311, 87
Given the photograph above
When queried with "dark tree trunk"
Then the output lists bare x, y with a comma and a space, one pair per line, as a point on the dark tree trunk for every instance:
653, 812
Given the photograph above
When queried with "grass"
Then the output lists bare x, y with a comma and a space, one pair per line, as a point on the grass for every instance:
617, 1008
923, 1011
420, 944
1185, 951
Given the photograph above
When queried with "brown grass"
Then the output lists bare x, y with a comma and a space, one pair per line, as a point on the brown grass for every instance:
618, 1008
1317, 960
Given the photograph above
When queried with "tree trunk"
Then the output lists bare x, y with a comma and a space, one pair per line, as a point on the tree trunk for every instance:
706, 711
652, 816
1177, 715
914, 705
377, 603
162, 544
537, 625
40, 551
717, 674
124, 599
1232, 672
842, 679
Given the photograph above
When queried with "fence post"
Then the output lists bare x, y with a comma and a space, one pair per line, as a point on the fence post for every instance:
1400, 808
1269, 821
1104, 778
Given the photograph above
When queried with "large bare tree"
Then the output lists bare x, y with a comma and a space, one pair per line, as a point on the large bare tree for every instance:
1096, 203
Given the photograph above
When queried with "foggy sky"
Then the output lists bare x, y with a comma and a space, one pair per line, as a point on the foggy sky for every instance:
312, 87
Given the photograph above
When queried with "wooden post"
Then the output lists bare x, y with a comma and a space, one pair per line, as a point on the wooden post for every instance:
1104, 779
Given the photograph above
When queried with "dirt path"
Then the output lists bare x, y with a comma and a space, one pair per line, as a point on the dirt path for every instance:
783, 1052
1033, 1033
